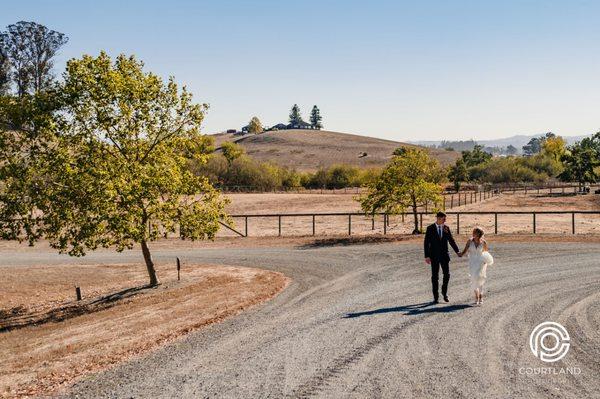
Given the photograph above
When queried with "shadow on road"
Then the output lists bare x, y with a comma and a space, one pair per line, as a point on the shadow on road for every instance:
418, 308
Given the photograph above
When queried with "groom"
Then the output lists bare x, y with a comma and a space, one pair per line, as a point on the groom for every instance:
437, 238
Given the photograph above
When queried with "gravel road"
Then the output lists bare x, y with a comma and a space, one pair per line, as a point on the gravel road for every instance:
356, 323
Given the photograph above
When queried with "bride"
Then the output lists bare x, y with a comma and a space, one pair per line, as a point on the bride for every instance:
479, 259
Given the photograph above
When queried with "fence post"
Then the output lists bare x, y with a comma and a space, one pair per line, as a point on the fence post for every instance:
459, 199
279, 225
533, 222
452, 201
78, 293
496, 223
246, 226
373, 222
421, 221
313, 224
349, 224
573, 222
178, 269
457, 223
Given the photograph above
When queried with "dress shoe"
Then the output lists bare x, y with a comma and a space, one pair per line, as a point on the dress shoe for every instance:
446, 298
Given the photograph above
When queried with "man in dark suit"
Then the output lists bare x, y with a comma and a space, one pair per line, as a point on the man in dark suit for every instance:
437, 238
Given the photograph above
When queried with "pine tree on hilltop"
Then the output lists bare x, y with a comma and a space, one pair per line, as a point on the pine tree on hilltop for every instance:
315, 118
295, 117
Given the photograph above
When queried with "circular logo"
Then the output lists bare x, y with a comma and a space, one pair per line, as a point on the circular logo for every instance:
549, 341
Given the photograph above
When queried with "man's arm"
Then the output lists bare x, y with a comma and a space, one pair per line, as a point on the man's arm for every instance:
452, 242
426, 243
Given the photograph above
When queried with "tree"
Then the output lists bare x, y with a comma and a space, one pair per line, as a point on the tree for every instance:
315, 118
231, 151
31, 48
410, 180
554, 147
295, 116
580, 161
28, 143
534, 146
511, 150
118, 173
458, 173
254, 126
4, 72
476, 157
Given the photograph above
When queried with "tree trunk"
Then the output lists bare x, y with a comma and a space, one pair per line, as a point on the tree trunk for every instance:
414, 207
149, 263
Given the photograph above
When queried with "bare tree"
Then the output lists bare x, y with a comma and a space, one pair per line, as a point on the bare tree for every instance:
30, 49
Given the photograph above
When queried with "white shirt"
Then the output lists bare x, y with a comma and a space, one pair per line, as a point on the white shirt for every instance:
440, 229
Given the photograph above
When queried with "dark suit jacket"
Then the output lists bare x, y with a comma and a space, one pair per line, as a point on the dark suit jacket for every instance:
436, 248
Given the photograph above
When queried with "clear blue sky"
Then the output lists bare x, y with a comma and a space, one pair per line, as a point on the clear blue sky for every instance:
409, 70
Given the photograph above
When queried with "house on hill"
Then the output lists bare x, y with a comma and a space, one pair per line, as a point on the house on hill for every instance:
283, 126
300, 125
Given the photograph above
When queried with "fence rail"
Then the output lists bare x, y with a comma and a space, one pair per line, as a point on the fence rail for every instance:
381, 222
358, 190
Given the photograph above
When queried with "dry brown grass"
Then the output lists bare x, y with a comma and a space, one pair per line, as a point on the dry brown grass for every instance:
308, 150
338, 225
38, 359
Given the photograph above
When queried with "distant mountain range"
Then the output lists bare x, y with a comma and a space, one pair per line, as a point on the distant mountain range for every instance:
518, 141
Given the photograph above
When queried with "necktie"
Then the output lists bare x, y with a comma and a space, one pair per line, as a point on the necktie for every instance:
440, 230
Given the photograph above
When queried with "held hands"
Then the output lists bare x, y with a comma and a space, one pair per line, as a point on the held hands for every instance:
428, 261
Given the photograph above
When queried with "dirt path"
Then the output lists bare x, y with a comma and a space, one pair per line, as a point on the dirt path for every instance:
355, 323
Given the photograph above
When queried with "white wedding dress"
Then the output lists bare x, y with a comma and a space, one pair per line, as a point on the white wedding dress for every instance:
479, 260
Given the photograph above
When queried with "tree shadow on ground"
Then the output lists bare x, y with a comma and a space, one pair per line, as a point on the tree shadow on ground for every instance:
20, 318
411, 310
356, 240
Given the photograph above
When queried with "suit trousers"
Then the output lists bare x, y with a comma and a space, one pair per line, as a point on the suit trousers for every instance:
435, 272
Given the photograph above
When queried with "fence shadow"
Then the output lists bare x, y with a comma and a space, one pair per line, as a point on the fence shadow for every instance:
411, 310
21, 318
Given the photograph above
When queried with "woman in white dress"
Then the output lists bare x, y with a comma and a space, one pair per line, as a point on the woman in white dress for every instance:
479, 260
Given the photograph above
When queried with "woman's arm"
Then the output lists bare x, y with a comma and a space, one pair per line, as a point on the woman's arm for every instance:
464, 251
485, 246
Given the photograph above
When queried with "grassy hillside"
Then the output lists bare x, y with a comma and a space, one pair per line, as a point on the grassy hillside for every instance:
309, 150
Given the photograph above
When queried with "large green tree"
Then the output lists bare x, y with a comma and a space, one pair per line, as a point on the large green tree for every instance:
117, 174
411, 180
580, 161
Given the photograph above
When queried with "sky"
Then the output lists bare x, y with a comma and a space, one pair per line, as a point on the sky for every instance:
399, 70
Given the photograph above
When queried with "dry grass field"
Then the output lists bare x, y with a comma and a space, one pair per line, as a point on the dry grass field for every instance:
309, 150
338, 225
49, 339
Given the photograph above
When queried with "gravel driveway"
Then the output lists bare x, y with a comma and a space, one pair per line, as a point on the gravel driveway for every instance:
355, 322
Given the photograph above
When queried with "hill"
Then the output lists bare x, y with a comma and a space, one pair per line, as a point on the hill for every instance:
309, 150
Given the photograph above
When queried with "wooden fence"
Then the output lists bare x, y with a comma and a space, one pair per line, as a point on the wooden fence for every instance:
380, 223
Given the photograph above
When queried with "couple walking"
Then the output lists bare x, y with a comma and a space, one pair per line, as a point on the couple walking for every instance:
437, 238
